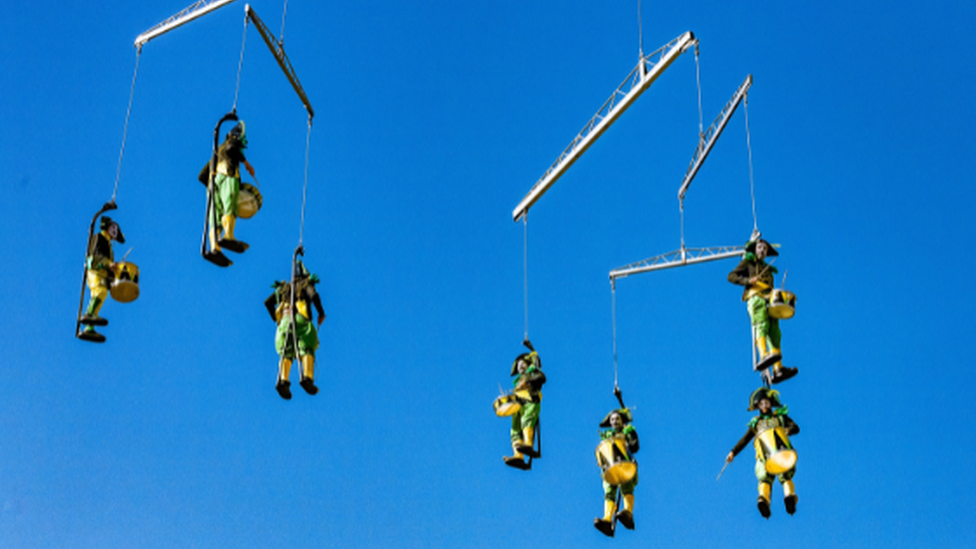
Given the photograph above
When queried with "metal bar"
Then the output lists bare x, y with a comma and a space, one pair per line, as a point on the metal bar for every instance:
198, 9
679, 258
639, 79
711, 136
278, 50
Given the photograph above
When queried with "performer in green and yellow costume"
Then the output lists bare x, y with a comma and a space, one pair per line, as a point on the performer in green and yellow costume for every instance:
620, 426
772, 416
227, 186
528, 389
304, 332
757, 276
98, 276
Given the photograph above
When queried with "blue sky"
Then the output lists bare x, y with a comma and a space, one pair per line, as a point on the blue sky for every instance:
432, 122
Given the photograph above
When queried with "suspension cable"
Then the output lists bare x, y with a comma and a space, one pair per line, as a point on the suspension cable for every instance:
640, 30
125, 128
613, 307
240, 65
281, 37
525, 268
308, 137
752, 185
701, 130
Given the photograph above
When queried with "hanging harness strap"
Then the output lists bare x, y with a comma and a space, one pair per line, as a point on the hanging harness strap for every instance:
211, 212
84, 272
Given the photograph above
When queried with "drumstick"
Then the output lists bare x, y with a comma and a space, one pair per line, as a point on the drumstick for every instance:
782, 283
723, 470
125, 256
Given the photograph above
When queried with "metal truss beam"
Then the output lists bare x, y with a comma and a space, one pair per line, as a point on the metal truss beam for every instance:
198, 9
644, 74
278, 50
679, 258
708, 140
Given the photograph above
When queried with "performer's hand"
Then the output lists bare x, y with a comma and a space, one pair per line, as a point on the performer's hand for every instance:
321, 319
729, 458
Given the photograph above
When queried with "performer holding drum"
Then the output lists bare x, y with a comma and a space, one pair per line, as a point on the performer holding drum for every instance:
766, 305
775, 456
228, 190
614, 455
523, 405
103, 275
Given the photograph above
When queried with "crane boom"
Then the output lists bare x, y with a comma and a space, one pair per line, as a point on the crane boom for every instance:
639, 79
198, 9
707, 140
278, 50
678, 258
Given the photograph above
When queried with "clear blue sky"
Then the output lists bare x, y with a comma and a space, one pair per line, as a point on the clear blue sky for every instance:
433, 120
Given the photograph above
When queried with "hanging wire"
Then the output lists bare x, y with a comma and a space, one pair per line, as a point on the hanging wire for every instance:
308, 137
701, 127
281, 39
240, 65
640, 30
752, 185
125, 128
613, 300
525, 268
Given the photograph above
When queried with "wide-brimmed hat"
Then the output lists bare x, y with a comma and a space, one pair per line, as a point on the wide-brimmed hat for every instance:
625, 416
527, 357
761, 393
770, 248
108, 222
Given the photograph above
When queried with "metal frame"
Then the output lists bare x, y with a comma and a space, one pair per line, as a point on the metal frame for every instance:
639, 79
678, 258
198, 9
278, 50
709, 138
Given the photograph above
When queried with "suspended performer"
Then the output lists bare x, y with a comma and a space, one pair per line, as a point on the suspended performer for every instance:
615, 454
99, 264
528, 390
227, 187
304, 332
757, 277
775, 457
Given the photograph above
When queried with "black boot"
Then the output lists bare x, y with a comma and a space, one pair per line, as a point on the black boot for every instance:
763, 506
517, 463
604, 526
284, 389
308, 384
790, 502
783, 373
626, 518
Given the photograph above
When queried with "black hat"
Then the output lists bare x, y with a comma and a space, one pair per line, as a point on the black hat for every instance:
528, 358
625, 416
108, 222
770, 248
761, 393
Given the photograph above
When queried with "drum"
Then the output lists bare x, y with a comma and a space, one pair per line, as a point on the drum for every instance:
507, 405
782, 304
125, 284
774, 445
248, 201
615, 462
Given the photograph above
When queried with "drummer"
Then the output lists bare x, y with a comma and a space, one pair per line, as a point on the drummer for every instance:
279, 307
528, 389
227, 185
772, 414
99, 264
757, 276
619, 423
